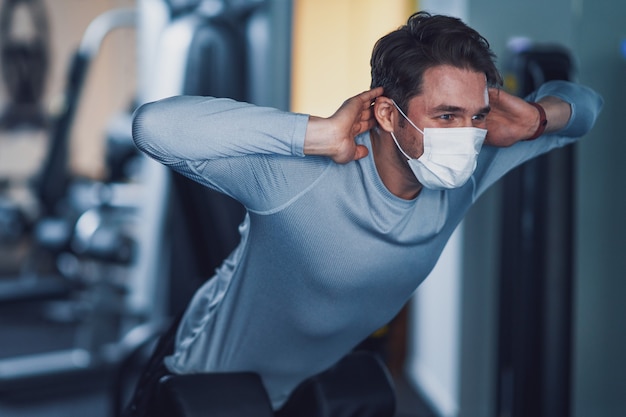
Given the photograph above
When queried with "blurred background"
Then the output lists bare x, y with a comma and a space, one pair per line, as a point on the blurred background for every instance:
523, 316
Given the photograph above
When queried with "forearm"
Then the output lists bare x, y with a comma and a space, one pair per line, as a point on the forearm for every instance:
571, 109
557, 111
333, 137
317, 139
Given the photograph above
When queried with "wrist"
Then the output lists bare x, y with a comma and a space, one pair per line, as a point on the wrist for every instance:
543, 121
319, 136
316, 137
558, 113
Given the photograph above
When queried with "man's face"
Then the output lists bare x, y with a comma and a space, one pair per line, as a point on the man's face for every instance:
451, 97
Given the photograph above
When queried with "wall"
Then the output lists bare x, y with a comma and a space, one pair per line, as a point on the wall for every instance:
332, 45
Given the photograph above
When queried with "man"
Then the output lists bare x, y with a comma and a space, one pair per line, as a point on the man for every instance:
347, 215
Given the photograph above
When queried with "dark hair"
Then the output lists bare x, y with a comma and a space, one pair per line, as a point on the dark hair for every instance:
400, 58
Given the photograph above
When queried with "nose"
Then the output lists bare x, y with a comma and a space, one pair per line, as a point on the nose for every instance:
461, 119
469, 122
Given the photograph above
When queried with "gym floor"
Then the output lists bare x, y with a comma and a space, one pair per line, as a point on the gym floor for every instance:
28, 329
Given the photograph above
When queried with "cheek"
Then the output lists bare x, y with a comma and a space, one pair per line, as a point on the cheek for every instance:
420, 147
415, 143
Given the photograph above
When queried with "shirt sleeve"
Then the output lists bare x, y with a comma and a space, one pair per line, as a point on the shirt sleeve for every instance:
586, 104
250, 153
204, 128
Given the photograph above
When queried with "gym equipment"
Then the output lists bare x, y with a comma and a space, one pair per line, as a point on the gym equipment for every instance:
359, 385
221, 394
88, 229
60, 200
24, 64
535, 327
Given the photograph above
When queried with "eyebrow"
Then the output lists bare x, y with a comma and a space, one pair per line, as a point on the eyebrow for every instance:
456, 109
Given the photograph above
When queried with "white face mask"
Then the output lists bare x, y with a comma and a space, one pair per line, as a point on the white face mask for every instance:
449, 157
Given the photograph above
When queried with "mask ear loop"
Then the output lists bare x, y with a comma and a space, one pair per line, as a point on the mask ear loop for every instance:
405, 116
398, 145
412, 124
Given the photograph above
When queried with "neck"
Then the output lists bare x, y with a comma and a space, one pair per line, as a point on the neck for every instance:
392, 167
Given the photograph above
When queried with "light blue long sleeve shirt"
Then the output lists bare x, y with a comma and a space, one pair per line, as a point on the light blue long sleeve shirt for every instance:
327, 254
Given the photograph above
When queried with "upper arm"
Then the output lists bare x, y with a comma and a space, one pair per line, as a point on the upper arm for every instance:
252, 154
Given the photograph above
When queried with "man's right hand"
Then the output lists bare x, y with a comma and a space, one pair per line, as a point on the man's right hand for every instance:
334, 136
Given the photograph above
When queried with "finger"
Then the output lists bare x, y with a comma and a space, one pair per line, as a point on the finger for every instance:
367, 114
370, 123
366, 122
494, 93
360, 152
367, 97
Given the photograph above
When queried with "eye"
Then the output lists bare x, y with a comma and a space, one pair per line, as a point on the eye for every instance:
480, 117
447, 116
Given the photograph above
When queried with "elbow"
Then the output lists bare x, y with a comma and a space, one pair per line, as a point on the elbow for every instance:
140, 126
150, 130
585, 113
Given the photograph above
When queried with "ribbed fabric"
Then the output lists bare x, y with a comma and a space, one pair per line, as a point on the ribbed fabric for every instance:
328, 255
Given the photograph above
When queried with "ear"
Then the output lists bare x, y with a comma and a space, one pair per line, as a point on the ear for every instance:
385, 113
